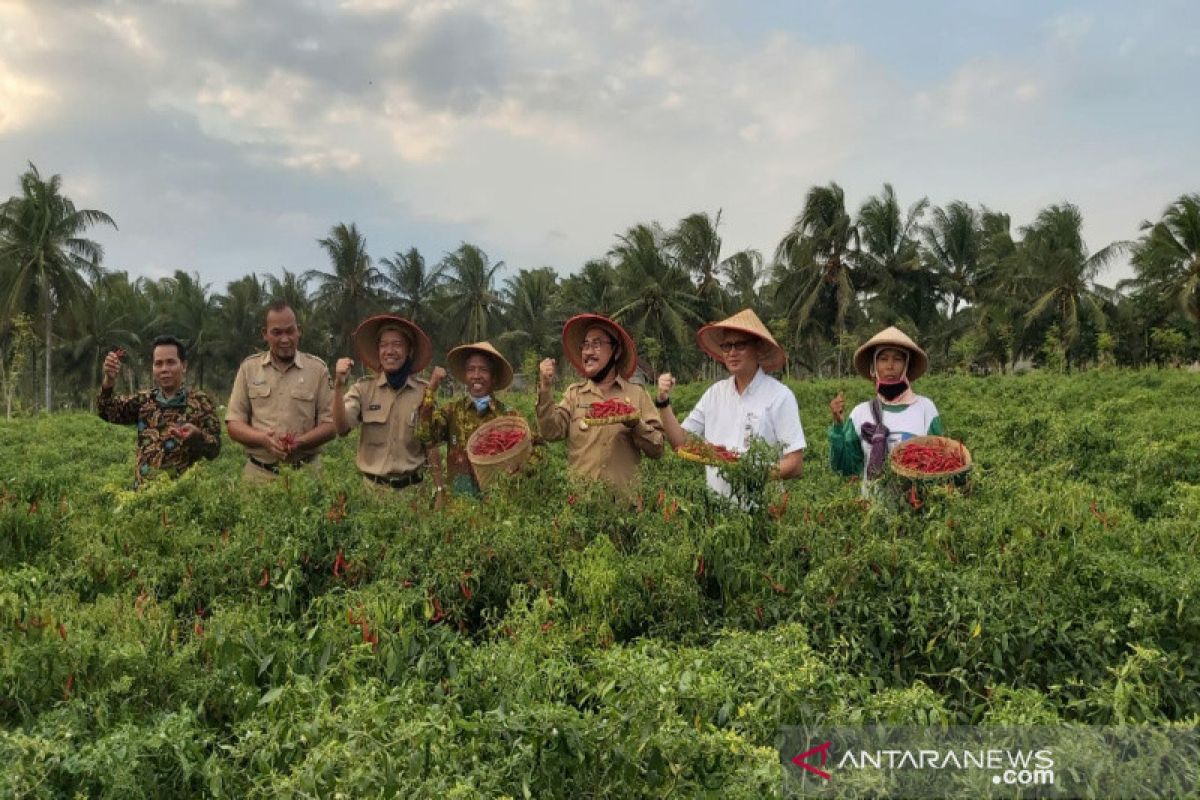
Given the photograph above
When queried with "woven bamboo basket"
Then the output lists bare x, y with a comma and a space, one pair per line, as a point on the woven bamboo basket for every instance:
944, 444
487, 468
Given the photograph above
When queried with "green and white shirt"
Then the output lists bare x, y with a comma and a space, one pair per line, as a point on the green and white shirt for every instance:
848, 452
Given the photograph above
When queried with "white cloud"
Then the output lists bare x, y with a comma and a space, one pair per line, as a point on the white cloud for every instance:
982, 92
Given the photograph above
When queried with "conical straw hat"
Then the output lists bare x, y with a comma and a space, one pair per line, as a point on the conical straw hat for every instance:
366, 341
864, 356
456, 360
572, 341
745, 321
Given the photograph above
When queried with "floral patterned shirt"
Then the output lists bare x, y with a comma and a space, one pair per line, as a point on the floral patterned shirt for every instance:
155, 416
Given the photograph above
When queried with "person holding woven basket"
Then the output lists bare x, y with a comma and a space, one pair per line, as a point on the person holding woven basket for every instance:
483, 371
859, 444
606, 449
749, 404
386, 404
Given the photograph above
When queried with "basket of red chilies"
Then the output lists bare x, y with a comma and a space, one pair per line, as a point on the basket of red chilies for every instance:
610, 412
499, 445
930, 458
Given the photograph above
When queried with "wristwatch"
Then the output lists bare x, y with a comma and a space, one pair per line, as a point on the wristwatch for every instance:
662, 403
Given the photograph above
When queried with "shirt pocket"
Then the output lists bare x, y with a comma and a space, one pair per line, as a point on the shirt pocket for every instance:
303, 394
374, 424
260, 397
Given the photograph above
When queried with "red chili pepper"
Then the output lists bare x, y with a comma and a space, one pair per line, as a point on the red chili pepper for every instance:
70, 685
119, 353
928, 459
466, 590
62, 631
710, 452
611, 408
339, 562
266, 578
495, 442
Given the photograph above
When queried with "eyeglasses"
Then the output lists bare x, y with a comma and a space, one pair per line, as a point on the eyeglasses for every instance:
740, 346
596, 344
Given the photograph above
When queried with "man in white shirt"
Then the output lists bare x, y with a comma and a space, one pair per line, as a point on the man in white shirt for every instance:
749, 404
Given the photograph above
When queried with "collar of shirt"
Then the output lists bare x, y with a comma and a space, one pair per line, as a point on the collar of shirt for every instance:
590, 386
177, 400
267, 361
757, 380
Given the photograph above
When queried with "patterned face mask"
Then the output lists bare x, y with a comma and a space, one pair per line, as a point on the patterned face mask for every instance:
482, 403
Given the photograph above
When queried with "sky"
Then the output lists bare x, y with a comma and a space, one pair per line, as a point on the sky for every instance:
227, 136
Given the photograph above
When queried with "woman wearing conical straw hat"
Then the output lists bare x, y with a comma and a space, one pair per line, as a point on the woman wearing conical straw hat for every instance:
860, 443
483, 371
605, 356
748, 404
385, 404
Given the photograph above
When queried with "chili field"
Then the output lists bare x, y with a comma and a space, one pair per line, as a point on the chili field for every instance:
314, 638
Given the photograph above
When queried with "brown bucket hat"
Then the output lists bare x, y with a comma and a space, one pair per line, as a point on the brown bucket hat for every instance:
456, 360
918, 362
366, 341
572, 341
745, 321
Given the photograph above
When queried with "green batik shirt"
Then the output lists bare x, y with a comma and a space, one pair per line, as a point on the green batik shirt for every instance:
154, 416
453, 424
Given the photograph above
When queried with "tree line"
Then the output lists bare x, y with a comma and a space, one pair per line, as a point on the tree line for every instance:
976, 293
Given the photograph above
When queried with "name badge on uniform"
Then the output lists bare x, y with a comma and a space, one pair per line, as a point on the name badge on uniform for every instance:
374, 407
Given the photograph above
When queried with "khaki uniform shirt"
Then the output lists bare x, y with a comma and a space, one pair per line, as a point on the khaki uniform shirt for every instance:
388, 442
293, 400
609, 453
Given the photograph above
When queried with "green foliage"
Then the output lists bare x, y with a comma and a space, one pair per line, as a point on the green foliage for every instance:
557, 641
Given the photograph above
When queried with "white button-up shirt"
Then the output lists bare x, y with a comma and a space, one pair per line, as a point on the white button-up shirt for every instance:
766, 410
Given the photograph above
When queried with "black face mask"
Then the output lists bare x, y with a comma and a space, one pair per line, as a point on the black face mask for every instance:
892, 390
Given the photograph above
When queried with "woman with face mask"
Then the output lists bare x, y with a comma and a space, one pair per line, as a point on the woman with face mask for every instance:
859, 444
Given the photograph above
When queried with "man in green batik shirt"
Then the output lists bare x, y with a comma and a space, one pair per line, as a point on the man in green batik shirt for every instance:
176, 425
483, 371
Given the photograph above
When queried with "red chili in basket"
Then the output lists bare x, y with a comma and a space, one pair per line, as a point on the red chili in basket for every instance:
928, 459
611, 408
711, 452
495, 442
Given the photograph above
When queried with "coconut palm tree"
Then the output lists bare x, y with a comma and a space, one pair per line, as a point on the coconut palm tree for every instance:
531, 314
351, 290
469, 294
186, 308
658, 298
291, 288
1057, 263
1167, 257
101, 317
410, 283
592, 289
744, 273
43, 253
889, 261
954, 240
814, 272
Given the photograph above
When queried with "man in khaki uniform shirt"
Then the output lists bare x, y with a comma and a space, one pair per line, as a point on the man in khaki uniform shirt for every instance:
388, 404
279, 406
605, 355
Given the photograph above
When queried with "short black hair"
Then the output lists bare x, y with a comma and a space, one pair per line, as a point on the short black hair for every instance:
167, 339
277, 305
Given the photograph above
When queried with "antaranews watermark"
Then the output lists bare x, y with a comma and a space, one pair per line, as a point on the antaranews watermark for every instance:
1000, 762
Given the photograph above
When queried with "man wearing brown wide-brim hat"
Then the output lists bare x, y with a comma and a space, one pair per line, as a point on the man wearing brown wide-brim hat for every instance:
386, 404
860, 444
483, 371
749, 404
605, 356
